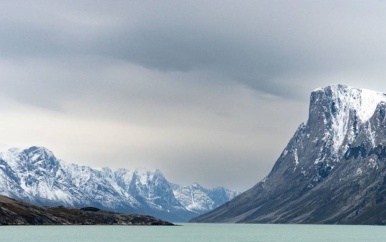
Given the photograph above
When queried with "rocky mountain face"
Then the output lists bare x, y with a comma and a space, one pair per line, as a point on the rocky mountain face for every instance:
36, 176
13, 212
332, 170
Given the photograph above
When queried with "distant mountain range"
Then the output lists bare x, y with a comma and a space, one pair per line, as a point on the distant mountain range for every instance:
36, 176
333, 170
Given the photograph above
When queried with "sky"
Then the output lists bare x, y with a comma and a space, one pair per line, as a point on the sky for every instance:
205, 91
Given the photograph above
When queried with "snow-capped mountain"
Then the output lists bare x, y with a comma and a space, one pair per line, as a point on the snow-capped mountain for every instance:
199, 199
36, 176
333, 170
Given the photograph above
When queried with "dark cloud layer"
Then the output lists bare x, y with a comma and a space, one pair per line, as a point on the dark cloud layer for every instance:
259, 44
200, 87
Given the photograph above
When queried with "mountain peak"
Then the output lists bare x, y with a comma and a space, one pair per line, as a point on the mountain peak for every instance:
39, 150
343, 99
333, 169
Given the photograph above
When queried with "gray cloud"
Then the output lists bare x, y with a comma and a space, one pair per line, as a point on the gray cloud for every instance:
209, 87
255, 43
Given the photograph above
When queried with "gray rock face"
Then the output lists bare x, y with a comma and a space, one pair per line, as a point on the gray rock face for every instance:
332, 170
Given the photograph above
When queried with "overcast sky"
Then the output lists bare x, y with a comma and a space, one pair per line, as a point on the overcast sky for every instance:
205, 91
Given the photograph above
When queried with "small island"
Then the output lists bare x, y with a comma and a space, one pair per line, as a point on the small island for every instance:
14, 212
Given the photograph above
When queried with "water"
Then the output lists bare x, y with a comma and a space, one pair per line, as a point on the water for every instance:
195, 232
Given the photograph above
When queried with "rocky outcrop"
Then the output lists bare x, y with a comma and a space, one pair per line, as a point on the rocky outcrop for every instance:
13, 212
333, 170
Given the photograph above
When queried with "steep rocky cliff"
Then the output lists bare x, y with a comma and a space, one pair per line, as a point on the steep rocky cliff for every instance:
333, 170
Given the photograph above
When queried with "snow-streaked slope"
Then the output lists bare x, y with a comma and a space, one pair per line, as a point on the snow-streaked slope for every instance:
344, 102
199, 199
346, 98
35, 175
333, 169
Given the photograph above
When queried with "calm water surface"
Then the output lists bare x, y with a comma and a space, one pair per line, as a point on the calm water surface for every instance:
195, 232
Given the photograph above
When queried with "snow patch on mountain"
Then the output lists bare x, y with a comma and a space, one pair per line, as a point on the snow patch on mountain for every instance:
364, 101
345, 102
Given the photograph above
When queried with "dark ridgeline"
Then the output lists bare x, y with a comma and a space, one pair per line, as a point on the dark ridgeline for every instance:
13, 212
332, 170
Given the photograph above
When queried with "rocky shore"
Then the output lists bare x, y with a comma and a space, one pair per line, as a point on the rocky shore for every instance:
14, 212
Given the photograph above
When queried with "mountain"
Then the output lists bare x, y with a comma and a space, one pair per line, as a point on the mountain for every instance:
199, 199
13, 212
36, 176
332, 170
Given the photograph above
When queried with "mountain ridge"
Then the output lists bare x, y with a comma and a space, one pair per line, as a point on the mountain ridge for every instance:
36, 176
332, 170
